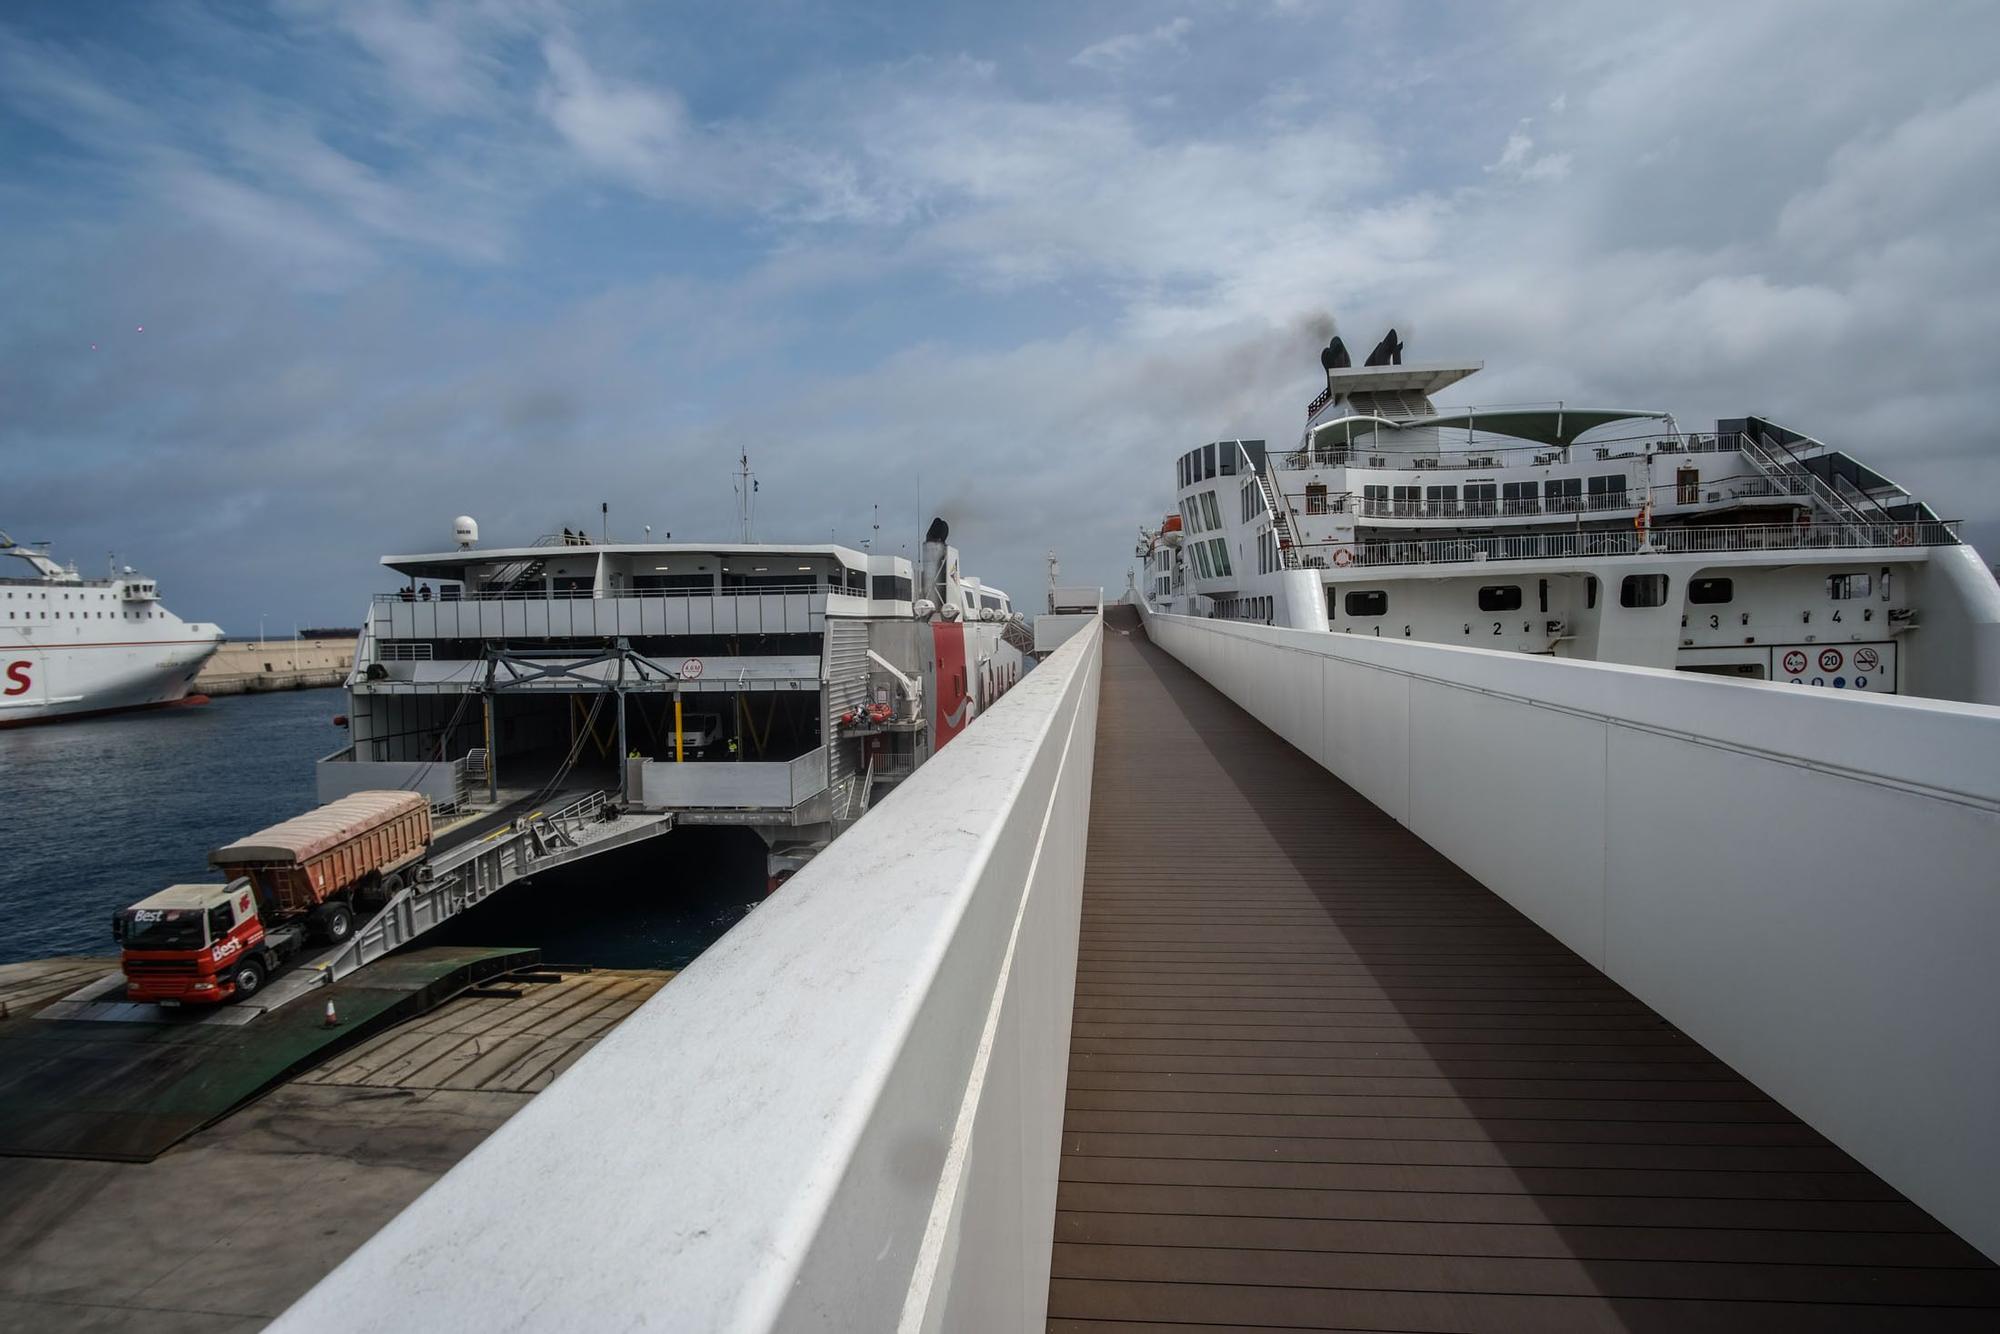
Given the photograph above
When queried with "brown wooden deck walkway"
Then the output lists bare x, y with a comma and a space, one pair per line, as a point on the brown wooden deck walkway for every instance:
1321, 1079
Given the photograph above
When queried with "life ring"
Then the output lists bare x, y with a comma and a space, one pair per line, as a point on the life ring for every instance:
1343, 557
1904, 536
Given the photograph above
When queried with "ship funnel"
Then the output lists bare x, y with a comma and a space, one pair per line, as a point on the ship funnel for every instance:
937, 563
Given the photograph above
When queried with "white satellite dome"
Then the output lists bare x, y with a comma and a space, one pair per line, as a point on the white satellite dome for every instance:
465, 530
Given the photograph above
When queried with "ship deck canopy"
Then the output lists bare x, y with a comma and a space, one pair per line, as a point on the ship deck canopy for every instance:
1424, 378
1558, 427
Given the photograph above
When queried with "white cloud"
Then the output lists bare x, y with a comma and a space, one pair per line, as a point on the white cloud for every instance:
1517, 160
1128, 49
637, 133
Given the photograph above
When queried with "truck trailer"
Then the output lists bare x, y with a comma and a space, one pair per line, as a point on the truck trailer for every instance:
303, 879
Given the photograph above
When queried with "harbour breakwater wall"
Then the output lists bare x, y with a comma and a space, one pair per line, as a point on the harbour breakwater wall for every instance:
251, 666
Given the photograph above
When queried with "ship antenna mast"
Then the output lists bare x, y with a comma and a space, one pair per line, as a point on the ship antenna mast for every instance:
746, 491
1054, 571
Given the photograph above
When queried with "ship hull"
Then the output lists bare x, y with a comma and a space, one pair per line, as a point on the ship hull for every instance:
59, 682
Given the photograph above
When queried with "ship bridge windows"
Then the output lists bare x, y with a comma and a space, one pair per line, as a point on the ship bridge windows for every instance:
893, 587
1207, 462
1500, 597
1704, 591
1211, 510
1841, 587
673, 583
1643, 590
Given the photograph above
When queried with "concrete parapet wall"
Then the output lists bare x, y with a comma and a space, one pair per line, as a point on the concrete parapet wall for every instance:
1802, 881
847, 1114
247, 667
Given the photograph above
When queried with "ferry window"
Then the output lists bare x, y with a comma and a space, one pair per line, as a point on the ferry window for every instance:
1543, 595
857, 582
1643, 590
1520, 490
1375, 602
1564, 493
1315, 498
1500, 597
1332, 600
1221, 556
1441, 499
1843, 586
1211, 509
1207, 461
1609, 490
893, 587
1711, 590
1589, 591
1229, 459
1479, 497
1376, 496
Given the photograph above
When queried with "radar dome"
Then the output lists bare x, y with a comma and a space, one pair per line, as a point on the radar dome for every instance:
465, 530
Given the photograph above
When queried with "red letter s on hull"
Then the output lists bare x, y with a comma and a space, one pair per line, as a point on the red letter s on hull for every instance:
17, 678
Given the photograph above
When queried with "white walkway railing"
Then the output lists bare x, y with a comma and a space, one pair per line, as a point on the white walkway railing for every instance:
1802, 881
847, 1114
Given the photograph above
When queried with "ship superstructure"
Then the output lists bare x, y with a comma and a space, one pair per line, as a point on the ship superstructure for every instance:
779, 687
1749, 550
71, 645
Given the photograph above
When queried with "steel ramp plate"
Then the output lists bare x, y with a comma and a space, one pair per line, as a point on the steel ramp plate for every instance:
130, 1091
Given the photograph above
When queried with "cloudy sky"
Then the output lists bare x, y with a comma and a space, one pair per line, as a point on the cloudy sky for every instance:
283, 288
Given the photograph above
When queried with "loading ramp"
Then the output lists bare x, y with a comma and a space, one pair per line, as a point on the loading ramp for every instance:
128, 1092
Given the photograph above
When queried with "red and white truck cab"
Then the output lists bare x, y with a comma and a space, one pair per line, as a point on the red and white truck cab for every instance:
193, 944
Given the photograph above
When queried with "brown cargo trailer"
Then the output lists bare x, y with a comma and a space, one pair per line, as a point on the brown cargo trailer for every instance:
360, 843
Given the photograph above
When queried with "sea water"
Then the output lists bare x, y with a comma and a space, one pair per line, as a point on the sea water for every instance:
101, 812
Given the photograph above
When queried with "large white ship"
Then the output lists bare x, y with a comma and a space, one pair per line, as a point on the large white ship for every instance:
71, 646
1750, 551
781, 688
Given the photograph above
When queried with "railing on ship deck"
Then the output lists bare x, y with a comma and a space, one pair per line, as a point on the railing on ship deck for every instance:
1823, 536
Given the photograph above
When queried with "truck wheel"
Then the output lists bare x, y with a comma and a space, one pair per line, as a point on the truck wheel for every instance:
248, 977
336, 923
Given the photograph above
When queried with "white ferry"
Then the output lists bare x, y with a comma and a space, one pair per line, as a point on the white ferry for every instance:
783, 688
71, 646
1749, 551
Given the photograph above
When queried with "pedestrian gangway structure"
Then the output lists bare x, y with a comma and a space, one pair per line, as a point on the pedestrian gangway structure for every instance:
1231, 978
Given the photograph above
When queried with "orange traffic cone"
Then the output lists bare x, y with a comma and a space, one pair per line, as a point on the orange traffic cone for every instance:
332, 1019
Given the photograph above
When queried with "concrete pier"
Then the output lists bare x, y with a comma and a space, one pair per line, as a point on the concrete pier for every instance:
226, 1230
252, 666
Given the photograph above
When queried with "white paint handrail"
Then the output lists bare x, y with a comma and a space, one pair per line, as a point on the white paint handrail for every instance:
846, 1114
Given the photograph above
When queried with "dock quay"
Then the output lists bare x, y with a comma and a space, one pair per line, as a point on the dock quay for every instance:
288, 1185
249, 667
